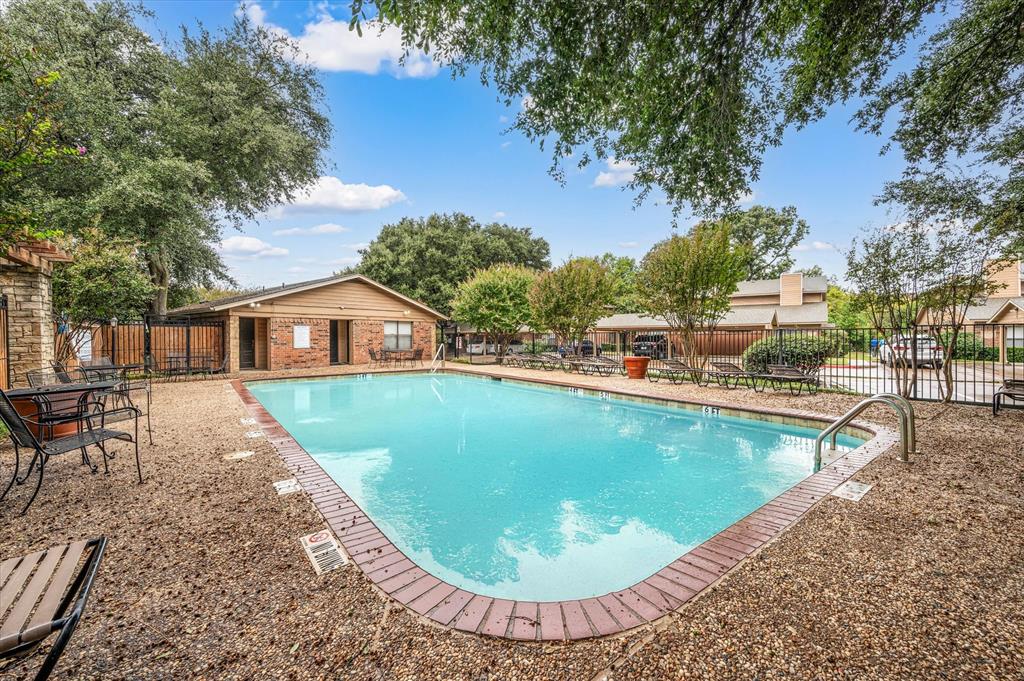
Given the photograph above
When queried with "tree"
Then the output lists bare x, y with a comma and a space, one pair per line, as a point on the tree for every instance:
689, 280
690, 93
569, 299
496, 302
30, 143
163, 125
623, 270
770, 235
105, 280
427, 258
813, 271
959, 123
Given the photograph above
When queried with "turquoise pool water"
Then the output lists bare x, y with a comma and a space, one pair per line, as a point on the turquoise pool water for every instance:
533, 493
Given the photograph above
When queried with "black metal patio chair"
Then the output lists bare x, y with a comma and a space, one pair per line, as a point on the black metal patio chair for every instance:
1012, 389
36, 592
90, 412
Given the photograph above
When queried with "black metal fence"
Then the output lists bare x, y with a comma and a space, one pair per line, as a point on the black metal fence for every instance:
860, 361
5, 345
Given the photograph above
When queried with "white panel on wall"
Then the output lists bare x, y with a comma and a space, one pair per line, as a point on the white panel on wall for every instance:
300, 337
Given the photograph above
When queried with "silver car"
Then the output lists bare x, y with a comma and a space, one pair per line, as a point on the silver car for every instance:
897, 350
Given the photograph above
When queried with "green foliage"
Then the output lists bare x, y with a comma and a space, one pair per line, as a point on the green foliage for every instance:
805, 351
1015, 355
623, 270
770, 235
691, 93
180, 135
689, 280
846, 312
427, 258
569, 299
968, 346
30, 143
496, 302
105, 280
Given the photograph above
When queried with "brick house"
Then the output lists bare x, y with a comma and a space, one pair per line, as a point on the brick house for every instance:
335, 320
25, 271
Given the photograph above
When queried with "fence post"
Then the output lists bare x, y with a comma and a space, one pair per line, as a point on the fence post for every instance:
188, 342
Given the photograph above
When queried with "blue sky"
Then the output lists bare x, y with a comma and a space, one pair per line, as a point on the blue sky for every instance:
409, 141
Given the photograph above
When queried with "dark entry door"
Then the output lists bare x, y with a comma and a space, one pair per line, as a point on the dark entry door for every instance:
247, 343
335, 359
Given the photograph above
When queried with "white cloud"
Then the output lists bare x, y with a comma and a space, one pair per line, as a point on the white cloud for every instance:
503, 118
349, 260
628, 244
249, 248
528, 102
746, 198
328, 44
330, 193
326, 228
618, 173
355, 247
296, 270
506, 145
815, 246
498, 214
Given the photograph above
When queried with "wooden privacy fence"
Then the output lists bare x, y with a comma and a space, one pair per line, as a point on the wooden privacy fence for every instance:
162, 341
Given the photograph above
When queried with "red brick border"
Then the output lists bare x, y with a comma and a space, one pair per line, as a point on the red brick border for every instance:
649, 600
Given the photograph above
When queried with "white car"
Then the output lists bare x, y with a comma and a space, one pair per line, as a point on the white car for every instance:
897, 350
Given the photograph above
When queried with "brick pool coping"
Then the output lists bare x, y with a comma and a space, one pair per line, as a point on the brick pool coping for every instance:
649, 600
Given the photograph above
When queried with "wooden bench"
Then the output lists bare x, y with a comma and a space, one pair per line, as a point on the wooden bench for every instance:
36, 592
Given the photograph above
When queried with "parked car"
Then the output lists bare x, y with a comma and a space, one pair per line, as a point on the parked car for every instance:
897, 349
586, 348
650, 345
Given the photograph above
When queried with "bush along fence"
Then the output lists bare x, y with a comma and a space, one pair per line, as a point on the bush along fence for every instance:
165, 345
861, 361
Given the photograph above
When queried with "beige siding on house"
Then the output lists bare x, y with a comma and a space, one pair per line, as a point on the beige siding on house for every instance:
739, 301
791, 289
344, 300
1008, 279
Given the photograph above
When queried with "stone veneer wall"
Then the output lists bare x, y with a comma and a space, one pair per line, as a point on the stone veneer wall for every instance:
283, 356
30, 319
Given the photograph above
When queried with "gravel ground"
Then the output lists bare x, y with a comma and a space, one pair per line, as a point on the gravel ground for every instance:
204, 576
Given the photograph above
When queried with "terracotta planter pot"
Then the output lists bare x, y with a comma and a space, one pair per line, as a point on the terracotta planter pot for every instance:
636, 367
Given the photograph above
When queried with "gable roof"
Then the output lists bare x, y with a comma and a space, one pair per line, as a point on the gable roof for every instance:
270, 293
1007, 303
743, 315
769, 287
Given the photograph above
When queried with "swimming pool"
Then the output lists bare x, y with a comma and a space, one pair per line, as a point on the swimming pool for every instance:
520, 491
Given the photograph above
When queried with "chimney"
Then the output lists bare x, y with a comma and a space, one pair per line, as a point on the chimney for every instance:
791, 289
1007, 277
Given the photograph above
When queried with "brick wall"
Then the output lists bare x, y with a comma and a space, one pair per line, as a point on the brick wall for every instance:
30, 319
370, 334
282, 353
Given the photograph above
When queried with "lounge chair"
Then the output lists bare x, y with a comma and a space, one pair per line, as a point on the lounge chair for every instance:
729, 375
784, 375
57, 583
89, 413
677, 372
1012, 388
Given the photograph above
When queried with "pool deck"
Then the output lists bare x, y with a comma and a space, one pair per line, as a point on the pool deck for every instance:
646, 602
204, 576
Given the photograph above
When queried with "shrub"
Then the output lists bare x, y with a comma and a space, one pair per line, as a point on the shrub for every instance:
1015, 355
804, 351
968, 346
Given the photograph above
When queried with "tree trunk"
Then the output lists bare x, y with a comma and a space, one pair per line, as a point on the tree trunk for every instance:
160, 273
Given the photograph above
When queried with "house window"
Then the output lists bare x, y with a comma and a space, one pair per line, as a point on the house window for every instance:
1015, 336
397, 335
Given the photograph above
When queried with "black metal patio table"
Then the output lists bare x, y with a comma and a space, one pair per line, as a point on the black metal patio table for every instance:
48, 397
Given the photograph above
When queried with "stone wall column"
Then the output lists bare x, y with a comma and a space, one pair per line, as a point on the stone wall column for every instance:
30, 319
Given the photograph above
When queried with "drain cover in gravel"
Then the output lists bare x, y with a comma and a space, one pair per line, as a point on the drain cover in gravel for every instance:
235, 456
253, 434
322, 550
287, 486
247, 422
854, 491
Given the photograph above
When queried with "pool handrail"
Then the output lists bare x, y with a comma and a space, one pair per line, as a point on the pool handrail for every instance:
904, 410
438, 354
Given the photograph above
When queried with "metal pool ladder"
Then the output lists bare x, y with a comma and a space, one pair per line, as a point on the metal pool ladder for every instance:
438, 360
904, 410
